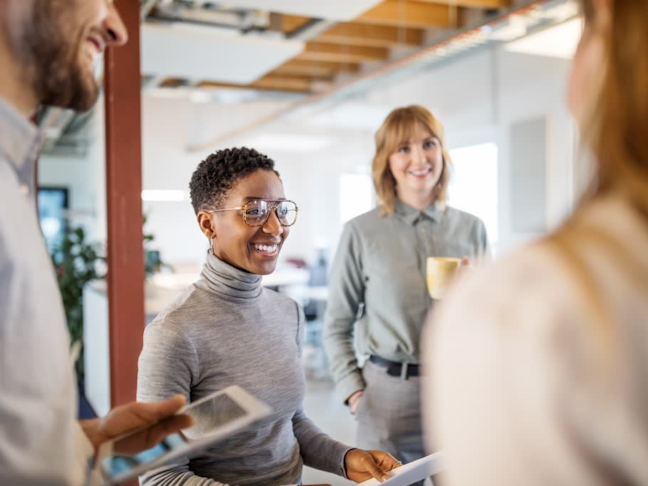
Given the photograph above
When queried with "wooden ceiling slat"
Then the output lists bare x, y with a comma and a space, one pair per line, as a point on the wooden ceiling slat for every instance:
288, 23
283, 83
472, 3
315, 51
408, 14
281, 72
371, 35
267, 83
316, 69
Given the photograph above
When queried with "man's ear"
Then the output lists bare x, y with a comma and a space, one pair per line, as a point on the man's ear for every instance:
206, 224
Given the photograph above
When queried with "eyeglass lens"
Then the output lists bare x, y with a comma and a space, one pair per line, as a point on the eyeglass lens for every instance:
257, 212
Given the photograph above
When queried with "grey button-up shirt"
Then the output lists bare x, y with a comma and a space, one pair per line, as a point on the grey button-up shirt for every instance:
39, 435
378, 284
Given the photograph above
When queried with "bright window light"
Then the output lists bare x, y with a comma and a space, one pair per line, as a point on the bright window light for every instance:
473, 185
356, 195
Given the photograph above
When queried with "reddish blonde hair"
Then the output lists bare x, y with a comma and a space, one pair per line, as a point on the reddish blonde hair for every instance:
397, 128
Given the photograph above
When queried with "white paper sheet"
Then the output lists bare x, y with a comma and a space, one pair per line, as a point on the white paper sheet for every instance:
410, 473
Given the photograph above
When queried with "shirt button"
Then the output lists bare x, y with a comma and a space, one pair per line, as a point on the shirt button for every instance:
24, 189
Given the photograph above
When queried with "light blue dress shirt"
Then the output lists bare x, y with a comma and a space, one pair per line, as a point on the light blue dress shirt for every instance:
39, 435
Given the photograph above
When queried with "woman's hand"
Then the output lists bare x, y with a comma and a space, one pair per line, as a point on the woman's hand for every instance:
354, 401
134, 416
362, 465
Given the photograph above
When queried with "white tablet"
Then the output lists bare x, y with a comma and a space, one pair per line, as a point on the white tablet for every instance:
410, 473
215, 417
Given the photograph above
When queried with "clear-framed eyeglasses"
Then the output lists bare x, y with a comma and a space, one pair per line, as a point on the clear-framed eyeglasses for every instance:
257, 211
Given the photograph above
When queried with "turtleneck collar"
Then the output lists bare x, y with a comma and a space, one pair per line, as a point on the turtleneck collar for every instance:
223, 279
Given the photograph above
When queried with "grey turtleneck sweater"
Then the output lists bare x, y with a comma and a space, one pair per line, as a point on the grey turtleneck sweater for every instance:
226, 329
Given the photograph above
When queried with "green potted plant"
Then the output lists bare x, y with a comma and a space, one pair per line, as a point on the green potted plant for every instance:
76, 263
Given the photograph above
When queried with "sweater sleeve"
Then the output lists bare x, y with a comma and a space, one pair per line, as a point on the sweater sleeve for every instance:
317, 449
167, 367
346, 294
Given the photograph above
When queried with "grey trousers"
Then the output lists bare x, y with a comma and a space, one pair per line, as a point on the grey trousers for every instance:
389, 414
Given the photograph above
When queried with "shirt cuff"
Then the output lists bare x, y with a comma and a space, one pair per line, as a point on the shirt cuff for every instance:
349, 385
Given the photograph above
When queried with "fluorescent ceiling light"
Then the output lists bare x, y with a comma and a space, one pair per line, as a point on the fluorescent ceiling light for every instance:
559, 41
290, 143
155, 195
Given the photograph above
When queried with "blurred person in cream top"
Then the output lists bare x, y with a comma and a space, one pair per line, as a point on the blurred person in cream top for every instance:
531, 385
537, 368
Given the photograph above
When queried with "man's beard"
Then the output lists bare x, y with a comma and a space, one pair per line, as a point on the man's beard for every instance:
52, 49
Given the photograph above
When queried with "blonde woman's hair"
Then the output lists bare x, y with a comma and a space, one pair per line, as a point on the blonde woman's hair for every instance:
397, 129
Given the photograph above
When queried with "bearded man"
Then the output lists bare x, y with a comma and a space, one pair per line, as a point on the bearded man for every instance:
47, 53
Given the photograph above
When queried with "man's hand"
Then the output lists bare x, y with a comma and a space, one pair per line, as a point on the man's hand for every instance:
134, 416
354, 401
362, 465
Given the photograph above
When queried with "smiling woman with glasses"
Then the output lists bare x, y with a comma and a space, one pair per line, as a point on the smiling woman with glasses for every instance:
229, 330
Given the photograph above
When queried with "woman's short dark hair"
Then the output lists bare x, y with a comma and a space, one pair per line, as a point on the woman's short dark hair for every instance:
218, 173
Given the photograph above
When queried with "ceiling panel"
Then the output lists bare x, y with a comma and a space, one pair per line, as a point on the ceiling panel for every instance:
343, 10
199, 53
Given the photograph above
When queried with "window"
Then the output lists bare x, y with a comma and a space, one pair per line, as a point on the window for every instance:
473, 185
356, 195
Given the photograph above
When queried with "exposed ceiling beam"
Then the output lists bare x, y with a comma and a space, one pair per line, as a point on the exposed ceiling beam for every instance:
297, 67
315, 51
284, 83
287, 23
371, 35
172, 83
318, 68
310, 30
288, 74
472, 3
268, 83
405, 13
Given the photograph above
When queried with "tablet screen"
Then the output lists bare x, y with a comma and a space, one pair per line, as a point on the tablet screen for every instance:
211, 414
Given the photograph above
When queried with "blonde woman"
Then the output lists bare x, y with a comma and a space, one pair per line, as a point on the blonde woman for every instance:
543, 378
378, 280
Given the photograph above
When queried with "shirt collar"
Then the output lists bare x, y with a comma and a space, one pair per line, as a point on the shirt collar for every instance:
411, 215
19, 142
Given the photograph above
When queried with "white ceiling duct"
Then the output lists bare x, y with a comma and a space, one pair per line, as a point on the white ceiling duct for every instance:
207, 53
342, 10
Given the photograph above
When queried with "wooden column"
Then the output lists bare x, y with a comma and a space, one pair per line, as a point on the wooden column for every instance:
124, 207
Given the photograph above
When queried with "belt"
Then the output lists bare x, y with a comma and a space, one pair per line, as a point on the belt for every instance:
394, 368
